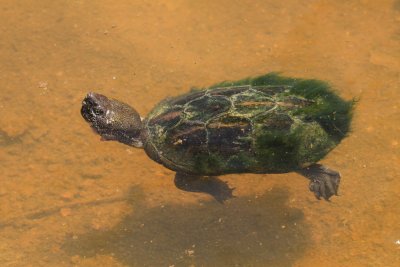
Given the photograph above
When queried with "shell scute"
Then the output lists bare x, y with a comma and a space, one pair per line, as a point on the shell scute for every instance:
167, 119
229, 134
228, 91
186, 134
252, 103
206, 107
274, 121
272, 90
181, 100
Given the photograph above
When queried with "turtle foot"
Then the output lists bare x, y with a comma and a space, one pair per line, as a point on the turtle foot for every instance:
211, 185
324, 182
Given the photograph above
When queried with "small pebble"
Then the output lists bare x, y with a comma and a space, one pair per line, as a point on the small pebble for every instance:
67, 195
65, 212
189, 252
96, 225
75, 259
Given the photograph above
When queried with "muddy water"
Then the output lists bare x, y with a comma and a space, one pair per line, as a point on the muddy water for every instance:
68, 199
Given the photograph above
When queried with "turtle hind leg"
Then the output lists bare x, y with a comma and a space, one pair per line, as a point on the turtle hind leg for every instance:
211, 185
324, 182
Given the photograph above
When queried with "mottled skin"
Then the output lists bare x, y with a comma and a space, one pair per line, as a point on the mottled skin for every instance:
268, 124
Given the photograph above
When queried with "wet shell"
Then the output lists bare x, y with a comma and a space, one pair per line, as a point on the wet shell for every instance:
268, 124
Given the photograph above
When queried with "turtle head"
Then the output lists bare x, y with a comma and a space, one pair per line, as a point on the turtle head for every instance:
112, 119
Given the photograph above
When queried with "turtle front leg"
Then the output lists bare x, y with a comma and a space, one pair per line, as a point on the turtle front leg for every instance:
210, 184
324, 182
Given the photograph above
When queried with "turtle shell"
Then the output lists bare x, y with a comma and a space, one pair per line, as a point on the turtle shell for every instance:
268, 124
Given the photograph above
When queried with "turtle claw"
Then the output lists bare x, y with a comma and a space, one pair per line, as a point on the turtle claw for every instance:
319, 189
324, 182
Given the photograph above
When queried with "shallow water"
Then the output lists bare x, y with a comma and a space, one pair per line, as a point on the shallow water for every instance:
68, 199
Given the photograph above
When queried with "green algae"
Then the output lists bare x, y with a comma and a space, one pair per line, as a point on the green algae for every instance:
333, 113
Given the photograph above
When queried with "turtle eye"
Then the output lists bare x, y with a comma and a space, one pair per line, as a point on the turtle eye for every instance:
98, 111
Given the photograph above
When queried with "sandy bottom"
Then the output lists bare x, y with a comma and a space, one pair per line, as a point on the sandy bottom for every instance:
68, 199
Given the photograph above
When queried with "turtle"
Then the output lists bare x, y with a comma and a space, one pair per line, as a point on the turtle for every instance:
268, 124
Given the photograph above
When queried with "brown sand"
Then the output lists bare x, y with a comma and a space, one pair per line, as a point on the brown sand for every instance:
68, 199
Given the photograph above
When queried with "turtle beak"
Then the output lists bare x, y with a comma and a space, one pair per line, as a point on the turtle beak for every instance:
87, 104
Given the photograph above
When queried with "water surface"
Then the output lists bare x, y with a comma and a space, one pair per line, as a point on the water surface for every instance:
68, 199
